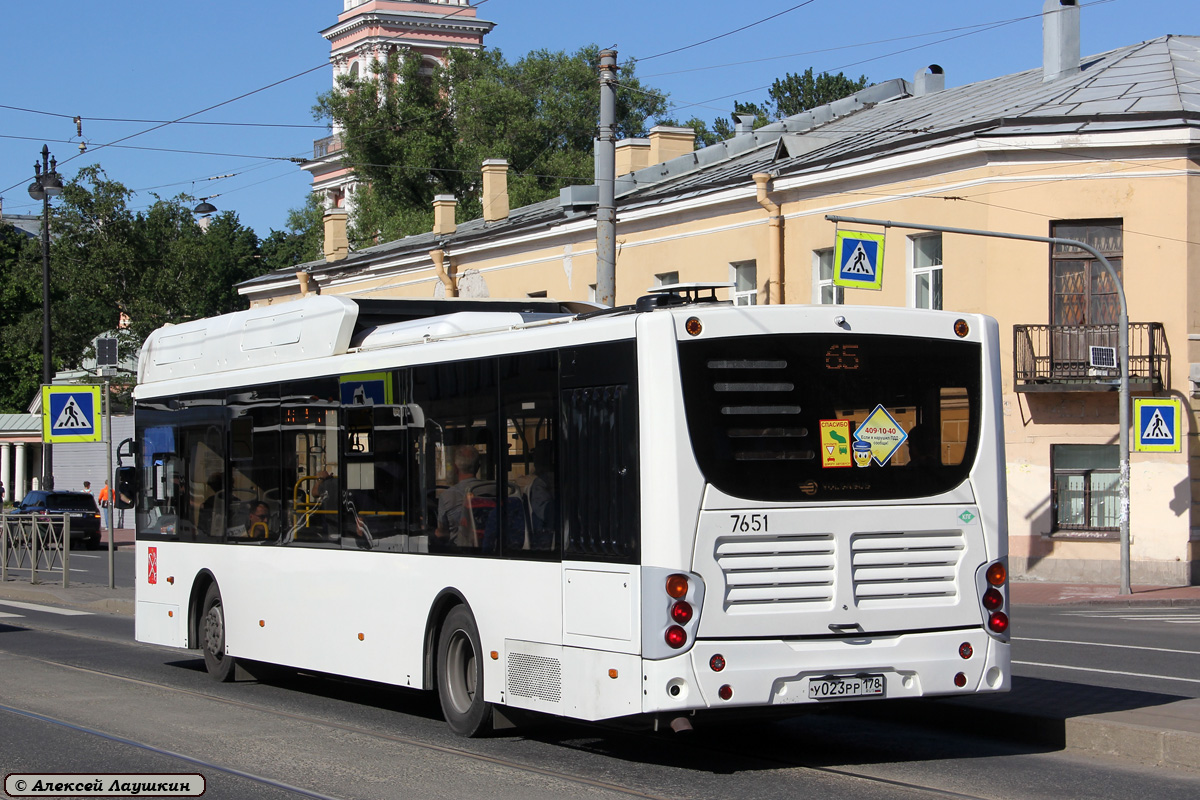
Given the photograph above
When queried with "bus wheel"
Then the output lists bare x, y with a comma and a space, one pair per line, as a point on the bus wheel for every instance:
460, 674
212, 635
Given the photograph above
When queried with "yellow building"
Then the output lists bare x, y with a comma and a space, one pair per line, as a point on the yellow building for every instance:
1102, 149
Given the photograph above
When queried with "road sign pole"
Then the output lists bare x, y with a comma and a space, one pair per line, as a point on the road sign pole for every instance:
111, 485
1122, 350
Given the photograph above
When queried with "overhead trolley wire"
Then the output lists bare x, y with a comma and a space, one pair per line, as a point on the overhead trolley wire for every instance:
727, 33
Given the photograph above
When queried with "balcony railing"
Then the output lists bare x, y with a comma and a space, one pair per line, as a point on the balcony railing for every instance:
1057, 358
323, 147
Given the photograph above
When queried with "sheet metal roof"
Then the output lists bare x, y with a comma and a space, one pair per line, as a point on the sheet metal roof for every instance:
1152, 84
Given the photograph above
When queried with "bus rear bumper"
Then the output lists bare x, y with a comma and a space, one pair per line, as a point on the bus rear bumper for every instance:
786, 672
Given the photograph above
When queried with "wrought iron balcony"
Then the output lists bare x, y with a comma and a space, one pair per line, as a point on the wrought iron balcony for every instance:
323, 147
1058, 358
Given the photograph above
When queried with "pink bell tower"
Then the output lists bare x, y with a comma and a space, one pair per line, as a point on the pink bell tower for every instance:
367, 30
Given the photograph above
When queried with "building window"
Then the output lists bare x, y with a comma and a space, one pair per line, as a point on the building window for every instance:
1084, 492
824, 292
927, 271
1082, 292
744, 276
666, 278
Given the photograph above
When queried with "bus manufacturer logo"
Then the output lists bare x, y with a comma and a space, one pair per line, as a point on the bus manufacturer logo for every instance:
966, 517
809, 487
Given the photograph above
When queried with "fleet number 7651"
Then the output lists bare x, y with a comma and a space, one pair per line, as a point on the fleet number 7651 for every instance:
749, 523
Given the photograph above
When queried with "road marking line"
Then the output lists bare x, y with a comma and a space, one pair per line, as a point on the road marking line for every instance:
6, 615
65, 612
1104, 644
1106, 671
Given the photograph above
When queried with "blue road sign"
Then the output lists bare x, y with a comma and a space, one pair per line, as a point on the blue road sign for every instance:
1156, 423
70, 414
858, 260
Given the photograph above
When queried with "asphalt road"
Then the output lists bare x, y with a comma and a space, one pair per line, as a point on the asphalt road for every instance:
78, 695
1148, 649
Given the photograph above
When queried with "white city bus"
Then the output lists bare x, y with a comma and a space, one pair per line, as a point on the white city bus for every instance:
635, 514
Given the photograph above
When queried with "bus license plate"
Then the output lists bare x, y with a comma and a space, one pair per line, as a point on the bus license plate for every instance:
850, 686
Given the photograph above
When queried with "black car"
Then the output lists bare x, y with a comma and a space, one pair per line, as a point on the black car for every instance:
85, 514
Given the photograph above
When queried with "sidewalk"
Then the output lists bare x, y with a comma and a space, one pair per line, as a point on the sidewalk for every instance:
1141, 726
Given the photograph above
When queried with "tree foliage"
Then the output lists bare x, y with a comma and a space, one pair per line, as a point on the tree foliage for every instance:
413, 129
158, 266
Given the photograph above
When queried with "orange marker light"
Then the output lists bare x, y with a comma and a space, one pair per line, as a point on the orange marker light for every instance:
495, 656
677, 586
612, 673
171, 579
961, 328
693, 326
170, 613
361, 637
262, 623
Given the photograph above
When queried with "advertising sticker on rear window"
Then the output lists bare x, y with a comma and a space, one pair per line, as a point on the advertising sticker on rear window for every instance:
835, 443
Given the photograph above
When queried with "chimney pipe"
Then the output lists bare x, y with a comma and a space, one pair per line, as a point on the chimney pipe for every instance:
929, 80
1060, 39
443, 214
495, 189
743, 124
667, 142
337, 243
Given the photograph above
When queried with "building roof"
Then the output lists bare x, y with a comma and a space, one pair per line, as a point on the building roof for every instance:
27, 224
1153, 84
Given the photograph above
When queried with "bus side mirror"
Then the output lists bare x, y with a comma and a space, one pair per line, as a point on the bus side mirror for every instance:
127, 487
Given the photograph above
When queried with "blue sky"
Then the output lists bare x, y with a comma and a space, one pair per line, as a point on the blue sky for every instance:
145, 62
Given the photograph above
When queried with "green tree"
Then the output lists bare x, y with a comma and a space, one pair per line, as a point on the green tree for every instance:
20, 318
158, 266
795, 94
413, 130
302, 239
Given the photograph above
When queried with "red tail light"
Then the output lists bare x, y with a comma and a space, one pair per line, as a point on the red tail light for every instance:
992, 599
681, 612
676, 637
998, 621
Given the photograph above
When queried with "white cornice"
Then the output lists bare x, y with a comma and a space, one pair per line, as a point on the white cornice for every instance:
414, 20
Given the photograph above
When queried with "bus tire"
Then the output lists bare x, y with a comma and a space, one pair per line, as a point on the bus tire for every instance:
460, 674
212, 636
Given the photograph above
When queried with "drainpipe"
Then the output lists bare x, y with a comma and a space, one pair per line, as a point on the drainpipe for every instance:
440, 263
774, 240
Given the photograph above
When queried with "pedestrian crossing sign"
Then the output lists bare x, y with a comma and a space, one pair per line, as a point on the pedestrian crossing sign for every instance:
70, 414
858, 259
1157, 424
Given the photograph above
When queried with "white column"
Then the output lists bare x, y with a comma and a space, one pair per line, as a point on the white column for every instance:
6, 471
19, 489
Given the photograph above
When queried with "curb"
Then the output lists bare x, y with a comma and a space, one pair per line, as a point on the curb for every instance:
86, 597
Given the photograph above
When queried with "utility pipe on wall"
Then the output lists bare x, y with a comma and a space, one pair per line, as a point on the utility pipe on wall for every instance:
446, 276
774, 240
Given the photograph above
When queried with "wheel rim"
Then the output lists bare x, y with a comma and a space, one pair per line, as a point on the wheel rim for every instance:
460, 672
214, 632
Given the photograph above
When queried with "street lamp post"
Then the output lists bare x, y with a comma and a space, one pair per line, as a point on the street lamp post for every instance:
46, 184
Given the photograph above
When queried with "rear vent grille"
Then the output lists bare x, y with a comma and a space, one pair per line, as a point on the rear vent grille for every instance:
898, 565
774, 570
535, 677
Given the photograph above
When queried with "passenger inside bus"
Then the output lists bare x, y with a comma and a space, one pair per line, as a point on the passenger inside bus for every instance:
540, 497
456, 524
258, 520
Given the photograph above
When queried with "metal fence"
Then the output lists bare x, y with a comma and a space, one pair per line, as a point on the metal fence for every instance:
35, 543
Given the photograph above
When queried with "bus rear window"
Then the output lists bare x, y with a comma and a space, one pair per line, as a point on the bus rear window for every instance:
822, 417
